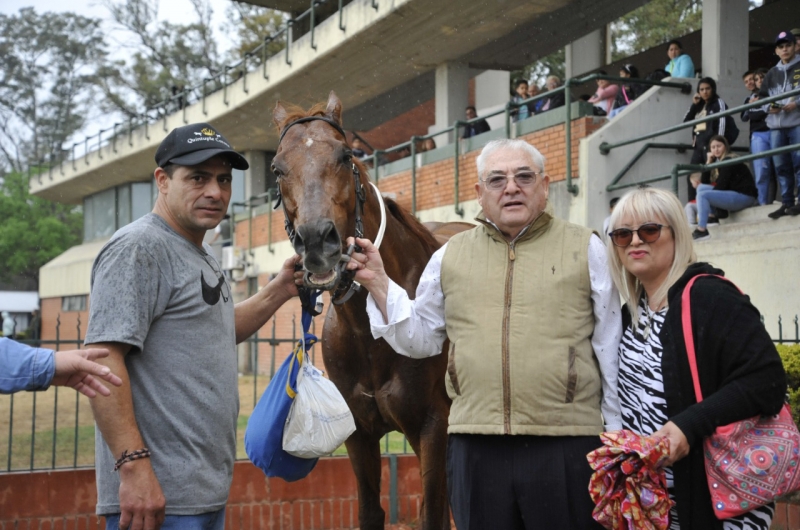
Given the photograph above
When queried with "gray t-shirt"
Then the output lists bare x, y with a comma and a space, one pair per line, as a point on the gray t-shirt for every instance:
154, 290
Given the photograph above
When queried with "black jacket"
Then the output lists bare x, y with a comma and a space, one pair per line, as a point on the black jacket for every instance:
633, 91
736, 178
714, 106
757, 116
476, 128
555, 101
741, 376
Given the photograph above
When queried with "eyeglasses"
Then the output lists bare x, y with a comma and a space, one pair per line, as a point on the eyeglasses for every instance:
648, 233
499, 182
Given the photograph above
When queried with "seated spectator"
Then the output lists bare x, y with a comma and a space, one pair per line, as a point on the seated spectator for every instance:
691, 206
428, 144
603, 99
680, 64
358, 148
734, 188
628, 91
556, 100
474, 128
704, 103
759, 135
520, 94
534, 107
783, 120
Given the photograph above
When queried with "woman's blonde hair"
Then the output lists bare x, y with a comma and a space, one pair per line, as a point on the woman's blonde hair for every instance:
648, 205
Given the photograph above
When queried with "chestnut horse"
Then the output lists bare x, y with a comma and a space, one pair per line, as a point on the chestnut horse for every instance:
327, 197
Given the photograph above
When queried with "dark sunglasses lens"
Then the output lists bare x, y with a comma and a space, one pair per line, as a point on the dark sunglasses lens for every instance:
621, 237
649, 233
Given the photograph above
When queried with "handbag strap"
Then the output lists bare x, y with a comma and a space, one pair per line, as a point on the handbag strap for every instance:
688, 333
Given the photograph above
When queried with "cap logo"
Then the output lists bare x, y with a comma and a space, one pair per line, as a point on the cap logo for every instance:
207, 132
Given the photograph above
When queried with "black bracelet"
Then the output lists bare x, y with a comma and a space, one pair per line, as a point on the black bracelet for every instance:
130, 457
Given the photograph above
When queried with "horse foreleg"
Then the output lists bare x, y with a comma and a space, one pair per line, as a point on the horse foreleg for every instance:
365, 457
431, 448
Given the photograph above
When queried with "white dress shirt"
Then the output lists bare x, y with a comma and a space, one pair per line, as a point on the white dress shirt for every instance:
416, 328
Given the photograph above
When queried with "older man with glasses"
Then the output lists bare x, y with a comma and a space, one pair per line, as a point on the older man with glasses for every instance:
533, 319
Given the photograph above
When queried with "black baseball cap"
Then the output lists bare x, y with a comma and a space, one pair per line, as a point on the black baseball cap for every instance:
785, 36
194, 144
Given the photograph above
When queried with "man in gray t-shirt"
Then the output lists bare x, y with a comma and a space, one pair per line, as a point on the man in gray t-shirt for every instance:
163, 309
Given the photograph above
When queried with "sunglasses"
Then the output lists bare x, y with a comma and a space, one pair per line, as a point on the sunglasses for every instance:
648, 233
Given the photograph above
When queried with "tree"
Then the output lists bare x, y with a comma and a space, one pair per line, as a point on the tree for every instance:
33, 230
654, 23
165, 58
250, 24
46, 82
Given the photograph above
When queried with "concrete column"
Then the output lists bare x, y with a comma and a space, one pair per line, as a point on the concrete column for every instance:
491, 93
725, 50
258, 178
586, 54
452, 96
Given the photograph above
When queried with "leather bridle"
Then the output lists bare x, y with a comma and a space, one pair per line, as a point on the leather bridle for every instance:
346, 287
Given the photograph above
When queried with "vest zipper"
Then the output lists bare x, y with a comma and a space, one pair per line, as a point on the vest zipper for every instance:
506, 330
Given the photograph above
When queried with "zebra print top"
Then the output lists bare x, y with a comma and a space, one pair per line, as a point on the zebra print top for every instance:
644, 407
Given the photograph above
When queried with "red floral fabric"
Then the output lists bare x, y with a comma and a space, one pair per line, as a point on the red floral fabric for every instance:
629, 487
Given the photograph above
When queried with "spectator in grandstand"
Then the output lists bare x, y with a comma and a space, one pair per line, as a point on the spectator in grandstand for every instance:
536, 106
475, 128
556, 100
25, 368
783, 120
691, 207
520, 94
358, 148
652, 259
680, 64
628, 91
603, 99
733, 188
796, 33
705, 103
759, 136
428, 144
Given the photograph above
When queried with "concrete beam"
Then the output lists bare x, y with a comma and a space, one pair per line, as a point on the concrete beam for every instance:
586, 54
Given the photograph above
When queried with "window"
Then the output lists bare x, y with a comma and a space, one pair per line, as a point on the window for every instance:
74, 303
123, 205
141, 200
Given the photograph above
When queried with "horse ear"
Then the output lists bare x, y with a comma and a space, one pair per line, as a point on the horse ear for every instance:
279, 114
334, 109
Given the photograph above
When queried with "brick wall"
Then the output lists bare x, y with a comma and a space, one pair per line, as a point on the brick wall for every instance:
71, 322
326, 499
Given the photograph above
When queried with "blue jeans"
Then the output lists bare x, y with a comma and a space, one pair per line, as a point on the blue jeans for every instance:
616, 111
787, 165
708, 197
203, 521
760, 142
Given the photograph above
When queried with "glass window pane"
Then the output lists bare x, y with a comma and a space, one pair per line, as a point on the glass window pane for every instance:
123, 205
154, 192
104, 213
140, 200
88, 219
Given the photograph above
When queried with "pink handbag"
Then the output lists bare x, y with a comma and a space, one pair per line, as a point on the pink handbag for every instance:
749, 462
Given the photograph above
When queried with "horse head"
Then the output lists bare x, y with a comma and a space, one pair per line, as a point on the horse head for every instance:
321, 187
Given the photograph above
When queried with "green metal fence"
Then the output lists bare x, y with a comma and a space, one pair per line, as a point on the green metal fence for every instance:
54, 429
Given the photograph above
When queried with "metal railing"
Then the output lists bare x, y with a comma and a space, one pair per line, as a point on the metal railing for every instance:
54, 429
251, 62
679, 170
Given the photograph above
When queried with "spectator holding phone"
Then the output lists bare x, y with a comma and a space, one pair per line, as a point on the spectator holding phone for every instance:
783, 120
759, 135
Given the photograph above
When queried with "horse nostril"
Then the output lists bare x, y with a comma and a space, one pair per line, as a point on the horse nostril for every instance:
331, 242
298, 244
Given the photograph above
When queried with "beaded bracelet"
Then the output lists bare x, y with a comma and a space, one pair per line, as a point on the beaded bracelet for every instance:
130, 457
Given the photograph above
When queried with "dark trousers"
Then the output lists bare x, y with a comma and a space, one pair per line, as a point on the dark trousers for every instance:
520, 482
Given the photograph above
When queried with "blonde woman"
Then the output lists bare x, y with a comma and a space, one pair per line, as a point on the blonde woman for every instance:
651, 260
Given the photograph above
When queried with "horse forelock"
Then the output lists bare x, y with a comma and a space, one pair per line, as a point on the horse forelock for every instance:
295, 112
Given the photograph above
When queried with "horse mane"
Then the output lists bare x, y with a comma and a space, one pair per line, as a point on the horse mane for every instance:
413, 225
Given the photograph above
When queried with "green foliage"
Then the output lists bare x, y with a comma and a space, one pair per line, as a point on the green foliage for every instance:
34, 230
250, 24
46, 82
654, 23
790, 355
